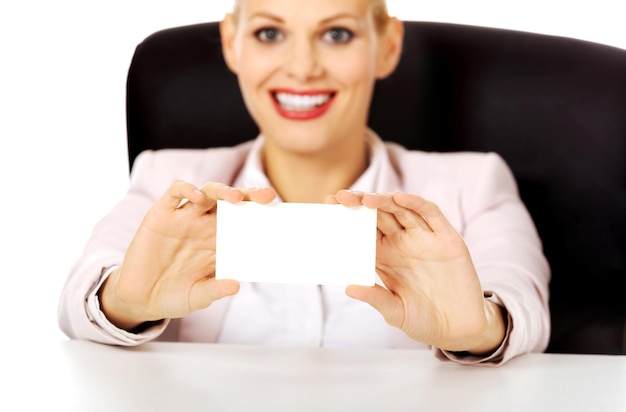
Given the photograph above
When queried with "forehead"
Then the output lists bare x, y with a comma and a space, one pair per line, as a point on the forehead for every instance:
304, 9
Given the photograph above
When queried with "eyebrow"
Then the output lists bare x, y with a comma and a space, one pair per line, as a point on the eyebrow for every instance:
266, 15
340, 16
278, 19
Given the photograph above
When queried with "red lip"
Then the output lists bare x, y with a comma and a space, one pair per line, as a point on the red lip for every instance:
302, 114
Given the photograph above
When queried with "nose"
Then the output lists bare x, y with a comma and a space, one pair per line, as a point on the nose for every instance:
302, 62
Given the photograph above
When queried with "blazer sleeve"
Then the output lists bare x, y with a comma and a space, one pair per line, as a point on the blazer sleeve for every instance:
508, 256
106, 248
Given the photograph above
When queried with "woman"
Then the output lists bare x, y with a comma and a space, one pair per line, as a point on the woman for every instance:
459, 261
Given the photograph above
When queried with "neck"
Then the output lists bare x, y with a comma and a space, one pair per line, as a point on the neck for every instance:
311, 177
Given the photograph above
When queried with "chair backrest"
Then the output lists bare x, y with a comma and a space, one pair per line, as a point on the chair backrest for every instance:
553, 107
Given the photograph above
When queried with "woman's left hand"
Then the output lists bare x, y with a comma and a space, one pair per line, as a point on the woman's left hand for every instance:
432, 291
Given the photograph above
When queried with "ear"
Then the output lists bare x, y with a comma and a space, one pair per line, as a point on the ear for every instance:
390, 48
228, 31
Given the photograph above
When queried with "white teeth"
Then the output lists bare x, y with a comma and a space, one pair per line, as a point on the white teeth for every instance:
301, 102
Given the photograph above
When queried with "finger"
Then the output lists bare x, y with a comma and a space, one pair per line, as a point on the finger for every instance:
331, 200
349, 198
219, 191
428, 211
387, 223
180, 193
381, 299
406, 217
209, 290
259, 195
205, 199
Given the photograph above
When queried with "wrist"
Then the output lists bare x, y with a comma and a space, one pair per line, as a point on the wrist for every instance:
113, 308
494, 335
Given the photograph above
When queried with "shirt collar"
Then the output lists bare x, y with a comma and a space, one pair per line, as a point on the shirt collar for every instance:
252, 174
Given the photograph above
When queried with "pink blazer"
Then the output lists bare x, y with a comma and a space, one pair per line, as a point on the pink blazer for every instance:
476, 191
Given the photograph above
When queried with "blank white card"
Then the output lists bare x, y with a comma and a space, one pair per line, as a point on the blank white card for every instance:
296, 243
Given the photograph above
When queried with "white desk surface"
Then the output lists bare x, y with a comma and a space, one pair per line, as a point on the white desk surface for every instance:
84, 376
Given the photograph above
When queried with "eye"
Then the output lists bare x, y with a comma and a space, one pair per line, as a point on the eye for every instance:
338, 35
269, 35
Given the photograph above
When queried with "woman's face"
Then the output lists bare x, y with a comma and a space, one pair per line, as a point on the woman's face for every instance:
307, 68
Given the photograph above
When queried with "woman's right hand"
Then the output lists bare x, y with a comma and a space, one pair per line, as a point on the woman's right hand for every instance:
169, 268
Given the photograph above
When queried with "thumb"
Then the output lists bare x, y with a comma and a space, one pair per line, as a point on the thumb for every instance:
209, 290
381, 299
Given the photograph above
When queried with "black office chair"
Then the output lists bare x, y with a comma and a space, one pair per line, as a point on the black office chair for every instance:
553, 107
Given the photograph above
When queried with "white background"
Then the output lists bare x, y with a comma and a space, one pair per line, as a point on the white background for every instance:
62, 124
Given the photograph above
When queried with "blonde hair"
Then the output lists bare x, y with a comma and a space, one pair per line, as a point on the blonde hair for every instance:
379, 13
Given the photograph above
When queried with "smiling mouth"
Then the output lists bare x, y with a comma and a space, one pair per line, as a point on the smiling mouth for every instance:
298, 102
302, 106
